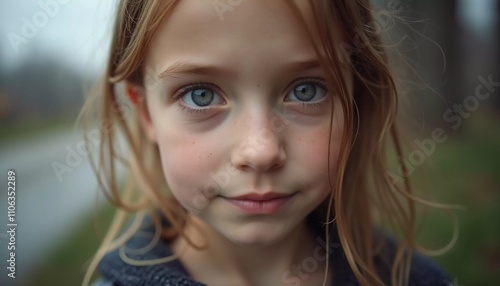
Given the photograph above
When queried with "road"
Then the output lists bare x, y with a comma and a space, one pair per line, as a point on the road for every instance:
47, 206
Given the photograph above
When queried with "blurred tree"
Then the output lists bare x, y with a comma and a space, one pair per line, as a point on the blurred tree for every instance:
496, 62
41, 88
436, 22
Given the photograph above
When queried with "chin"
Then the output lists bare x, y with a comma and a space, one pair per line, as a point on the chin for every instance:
256, 233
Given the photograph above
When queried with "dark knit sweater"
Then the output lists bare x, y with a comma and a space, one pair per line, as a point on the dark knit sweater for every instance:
115, 272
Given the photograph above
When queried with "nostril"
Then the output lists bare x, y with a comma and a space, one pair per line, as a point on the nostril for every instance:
265, 158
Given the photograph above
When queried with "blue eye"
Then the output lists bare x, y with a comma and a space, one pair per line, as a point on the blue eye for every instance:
200, 97
304, 92
307, 92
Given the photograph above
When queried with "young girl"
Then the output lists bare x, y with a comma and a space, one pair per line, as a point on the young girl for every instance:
256, 148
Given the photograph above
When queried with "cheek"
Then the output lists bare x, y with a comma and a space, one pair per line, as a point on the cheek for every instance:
186, 160
312, 167
311, 150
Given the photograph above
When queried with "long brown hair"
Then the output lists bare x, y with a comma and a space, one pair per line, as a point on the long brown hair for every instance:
362, 195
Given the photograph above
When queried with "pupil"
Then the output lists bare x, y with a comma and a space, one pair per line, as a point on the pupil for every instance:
305, 92
202, 97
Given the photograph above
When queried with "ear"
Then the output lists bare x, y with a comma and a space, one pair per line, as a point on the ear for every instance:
137, 97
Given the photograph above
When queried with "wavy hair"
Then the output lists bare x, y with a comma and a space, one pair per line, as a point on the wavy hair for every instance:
362, 194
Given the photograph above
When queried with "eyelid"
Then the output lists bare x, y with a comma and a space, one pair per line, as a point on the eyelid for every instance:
192, 86
178, 95
311, 80
316, 80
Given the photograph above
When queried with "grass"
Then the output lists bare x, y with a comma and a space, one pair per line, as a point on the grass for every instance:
68, 264
32, 127
468, 175
466, 172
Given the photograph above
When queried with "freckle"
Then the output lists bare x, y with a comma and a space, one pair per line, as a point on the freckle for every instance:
192, 142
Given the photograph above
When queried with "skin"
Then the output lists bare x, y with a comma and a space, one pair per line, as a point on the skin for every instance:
255, 136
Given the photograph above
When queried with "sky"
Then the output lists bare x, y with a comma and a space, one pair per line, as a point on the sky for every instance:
478, 14
78, 31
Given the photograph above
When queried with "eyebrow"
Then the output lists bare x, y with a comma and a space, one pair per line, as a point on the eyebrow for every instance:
301, 65
188, 68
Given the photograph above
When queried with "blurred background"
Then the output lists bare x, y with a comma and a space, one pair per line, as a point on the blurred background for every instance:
52, 51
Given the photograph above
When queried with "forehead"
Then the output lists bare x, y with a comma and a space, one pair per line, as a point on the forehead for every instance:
245, 32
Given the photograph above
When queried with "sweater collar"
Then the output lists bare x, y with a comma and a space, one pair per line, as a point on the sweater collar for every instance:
119, 272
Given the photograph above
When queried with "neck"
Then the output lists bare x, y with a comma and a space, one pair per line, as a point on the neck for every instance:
223, 262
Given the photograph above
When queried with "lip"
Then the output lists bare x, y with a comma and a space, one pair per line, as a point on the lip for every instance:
255, 203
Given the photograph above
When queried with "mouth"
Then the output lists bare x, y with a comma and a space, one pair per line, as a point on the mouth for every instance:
256, 204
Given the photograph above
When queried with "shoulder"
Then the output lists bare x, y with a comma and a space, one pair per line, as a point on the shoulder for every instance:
117, 272
102, 282
423, 271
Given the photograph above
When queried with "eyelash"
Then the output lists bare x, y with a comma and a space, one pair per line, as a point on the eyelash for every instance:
190, 110
190, 87
314, 80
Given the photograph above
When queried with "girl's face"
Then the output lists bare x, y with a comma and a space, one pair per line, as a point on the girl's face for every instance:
241, 116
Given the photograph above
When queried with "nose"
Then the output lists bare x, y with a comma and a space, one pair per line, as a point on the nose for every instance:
260, 148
